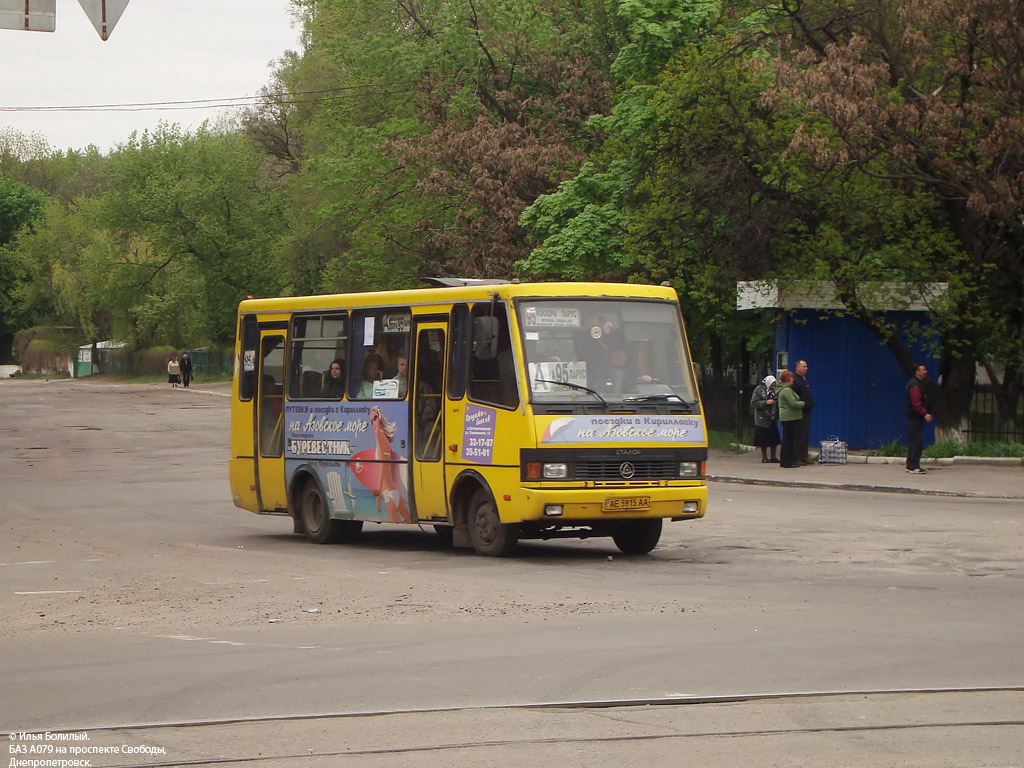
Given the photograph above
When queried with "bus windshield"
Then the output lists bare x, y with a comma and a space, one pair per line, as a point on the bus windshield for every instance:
606, 350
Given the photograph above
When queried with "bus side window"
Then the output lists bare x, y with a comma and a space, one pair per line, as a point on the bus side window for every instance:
247, 374
494, 380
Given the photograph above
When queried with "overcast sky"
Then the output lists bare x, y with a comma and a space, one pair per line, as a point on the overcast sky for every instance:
159, 51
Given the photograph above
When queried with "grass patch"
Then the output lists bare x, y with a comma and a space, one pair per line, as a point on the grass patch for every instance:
893, 448
946, 449
725, 441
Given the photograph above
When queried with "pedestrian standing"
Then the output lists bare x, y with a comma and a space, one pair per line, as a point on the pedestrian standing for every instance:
915, 403
803, 392
186, 369
173, 371
766, 418
790, 410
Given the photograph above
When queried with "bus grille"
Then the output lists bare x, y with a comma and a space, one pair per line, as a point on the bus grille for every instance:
653, 469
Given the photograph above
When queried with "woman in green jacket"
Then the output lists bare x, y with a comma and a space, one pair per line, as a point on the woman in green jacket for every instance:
790, 411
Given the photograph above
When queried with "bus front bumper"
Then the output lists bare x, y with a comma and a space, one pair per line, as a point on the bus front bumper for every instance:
591, 504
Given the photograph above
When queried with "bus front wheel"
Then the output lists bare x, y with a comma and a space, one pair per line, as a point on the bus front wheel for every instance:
488, 535
638, 537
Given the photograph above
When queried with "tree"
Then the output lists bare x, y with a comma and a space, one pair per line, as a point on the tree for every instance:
436, 124
926, 95
20, 206
199, 201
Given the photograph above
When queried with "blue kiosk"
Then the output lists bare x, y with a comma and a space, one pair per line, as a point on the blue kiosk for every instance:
858, 385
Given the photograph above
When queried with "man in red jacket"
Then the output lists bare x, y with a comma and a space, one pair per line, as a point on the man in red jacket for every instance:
916, 406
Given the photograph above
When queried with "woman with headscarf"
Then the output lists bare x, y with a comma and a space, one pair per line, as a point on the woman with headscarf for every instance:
766, 419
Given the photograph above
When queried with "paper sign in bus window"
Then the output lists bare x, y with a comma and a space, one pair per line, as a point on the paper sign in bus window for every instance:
545, 377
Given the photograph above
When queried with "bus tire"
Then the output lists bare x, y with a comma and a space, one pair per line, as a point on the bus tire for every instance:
316, 517
638, 537
488, 535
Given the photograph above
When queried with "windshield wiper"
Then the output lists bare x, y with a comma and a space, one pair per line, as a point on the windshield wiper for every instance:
657, 398
575, 386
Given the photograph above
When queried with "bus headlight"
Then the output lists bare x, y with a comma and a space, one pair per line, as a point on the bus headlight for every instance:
689, 469
556, 471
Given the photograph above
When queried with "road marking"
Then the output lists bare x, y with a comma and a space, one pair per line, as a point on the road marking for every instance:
52, 592
30, 562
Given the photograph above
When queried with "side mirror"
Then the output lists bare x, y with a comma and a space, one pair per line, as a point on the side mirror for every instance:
485, 338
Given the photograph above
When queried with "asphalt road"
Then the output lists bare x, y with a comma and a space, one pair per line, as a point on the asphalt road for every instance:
791, 626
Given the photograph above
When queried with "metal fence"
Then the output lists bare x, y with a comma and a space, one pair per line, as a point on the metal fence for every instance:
984, 424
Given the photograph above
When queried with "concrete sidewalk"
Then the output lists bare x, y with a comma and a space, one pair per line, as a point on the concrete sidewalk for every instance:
965, 476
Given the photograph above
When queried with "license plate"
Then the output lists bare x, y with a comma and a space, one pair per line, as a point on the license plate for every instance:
627, 503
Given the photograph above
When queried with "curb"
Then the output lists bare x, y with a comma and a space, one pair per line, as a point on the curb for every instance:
857, 487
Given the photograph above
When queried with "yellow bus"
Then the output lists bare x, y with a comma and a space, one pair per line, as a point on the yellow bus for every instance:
491, 411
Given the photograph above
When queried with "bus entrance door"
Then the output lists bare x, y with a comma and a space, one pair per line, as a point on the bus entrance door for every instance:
429, 494
270, 423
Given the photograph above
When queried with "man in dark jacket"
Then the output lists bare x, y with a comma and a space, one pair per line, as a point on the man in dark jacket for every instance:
915, 403
803, 391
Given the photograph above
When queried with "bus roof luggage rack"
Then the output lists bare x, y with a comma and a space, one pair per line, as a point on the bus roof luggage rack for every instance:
459, 282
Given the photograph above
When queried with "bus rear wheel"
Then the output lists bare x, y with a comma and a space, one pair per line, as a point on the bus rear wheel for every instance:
316, 518
488, 535
638, 537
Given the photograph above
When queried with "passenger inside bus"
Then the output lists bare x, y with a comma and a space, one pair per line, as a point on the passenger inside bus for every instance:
402, 376
620, 373
334, 380
372, 366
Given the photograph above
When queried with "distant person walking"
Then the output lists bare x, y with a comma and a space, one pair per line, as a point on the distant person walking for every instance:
915, 403
766, 418
173, 371
186, 369
803, 392
790, 410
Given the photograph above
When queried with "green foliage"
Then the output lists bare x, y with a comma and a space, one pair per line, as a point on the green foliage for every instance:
894, 447
198, 207
724, 441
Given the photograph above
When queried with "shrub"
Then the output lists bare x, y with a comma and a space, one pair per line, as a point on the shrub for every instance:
154, 360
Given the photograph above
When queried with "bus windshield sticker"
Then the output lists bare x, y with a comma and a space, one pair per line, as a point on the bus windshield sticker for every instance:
368, 325
478, 434
249, 360
552, 317
542, 375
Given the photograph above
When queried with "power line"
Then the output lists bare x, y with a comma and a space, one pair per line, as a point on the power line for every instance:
296, 97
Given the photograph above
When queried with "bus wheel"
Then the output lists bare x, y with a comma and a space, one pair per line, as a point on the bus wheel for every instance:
488, 535
638, 537
316, 517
